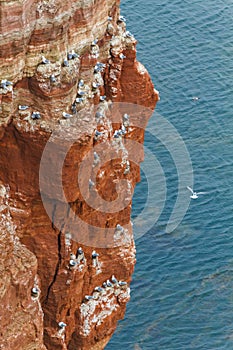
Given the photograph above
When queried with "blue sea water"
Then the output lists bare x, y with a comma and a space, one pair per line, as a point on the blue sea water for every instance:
182, 288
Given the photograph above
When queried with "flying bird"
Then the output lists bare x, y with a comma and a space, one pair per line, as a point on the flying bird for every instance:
194, 195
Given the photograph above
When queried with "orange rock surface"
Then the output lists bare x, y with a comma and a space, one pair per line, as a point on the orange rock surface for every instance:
36, 250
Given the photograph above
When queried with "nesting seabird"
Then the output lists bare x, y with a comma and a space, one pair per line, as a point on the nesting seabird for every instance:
99, 67
89, 297
22, 108
35, 115
122, 19
114, 280
81, 83
95, 261
79, 251
72, 256
102, 98
62, 325
127, 168
35, 292
94, 254
95, 85
74, 54
98, 289
109, 284
122, 56
72, 263
109, 18
69, 56
65, 63
194, 194
52, 78
128, 34
45, 60
119, 228
5, 83
80, 255
98, 134
94, 42
117, 134
66, 115
125, 117
122, 283
104, 284
81, 93
73, 108
123, 130
79, 99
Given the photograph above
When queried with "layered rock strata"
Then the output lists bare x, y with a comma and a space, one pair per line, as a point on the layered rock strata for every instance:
67, 69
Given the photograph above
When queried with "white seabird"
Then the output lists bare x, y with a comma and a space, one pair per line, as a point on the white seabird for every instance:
74, 54
122, 283
45, 60
102, 98
35, 291
52, 78
22, 108
122, 56
81, 83
109, 284
66, 115
114, 280
65, 63
35, 115
194, 194
94, 42
122, 19
62, 324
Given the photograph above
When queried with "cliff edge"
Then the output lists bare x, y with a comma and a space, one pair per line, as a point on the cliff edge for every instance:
67, 69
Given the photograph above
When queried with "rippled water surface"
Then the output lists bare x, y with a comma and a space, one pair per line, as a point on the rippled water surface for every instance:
182, 289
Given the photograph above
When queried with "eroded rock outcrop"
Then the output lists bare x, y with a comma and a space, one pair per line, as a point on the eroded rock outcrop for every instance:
65, 69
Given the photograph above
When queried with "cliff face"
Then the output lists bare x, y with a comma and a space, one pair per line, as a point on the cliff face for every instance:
57, 61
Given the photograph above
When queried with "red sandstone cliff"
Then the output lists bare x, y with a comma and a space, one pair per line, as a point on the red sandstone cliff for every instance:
39, 285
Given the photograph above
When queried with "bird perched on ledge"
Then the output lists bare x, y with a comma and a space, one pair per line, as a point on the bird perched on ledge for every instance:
94, 42
62, 325
66, 115
52, 78
122, 56
114, 280
102, 98
35, 115
122, 283
35, 292
45, 60
22, 108
121, 19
